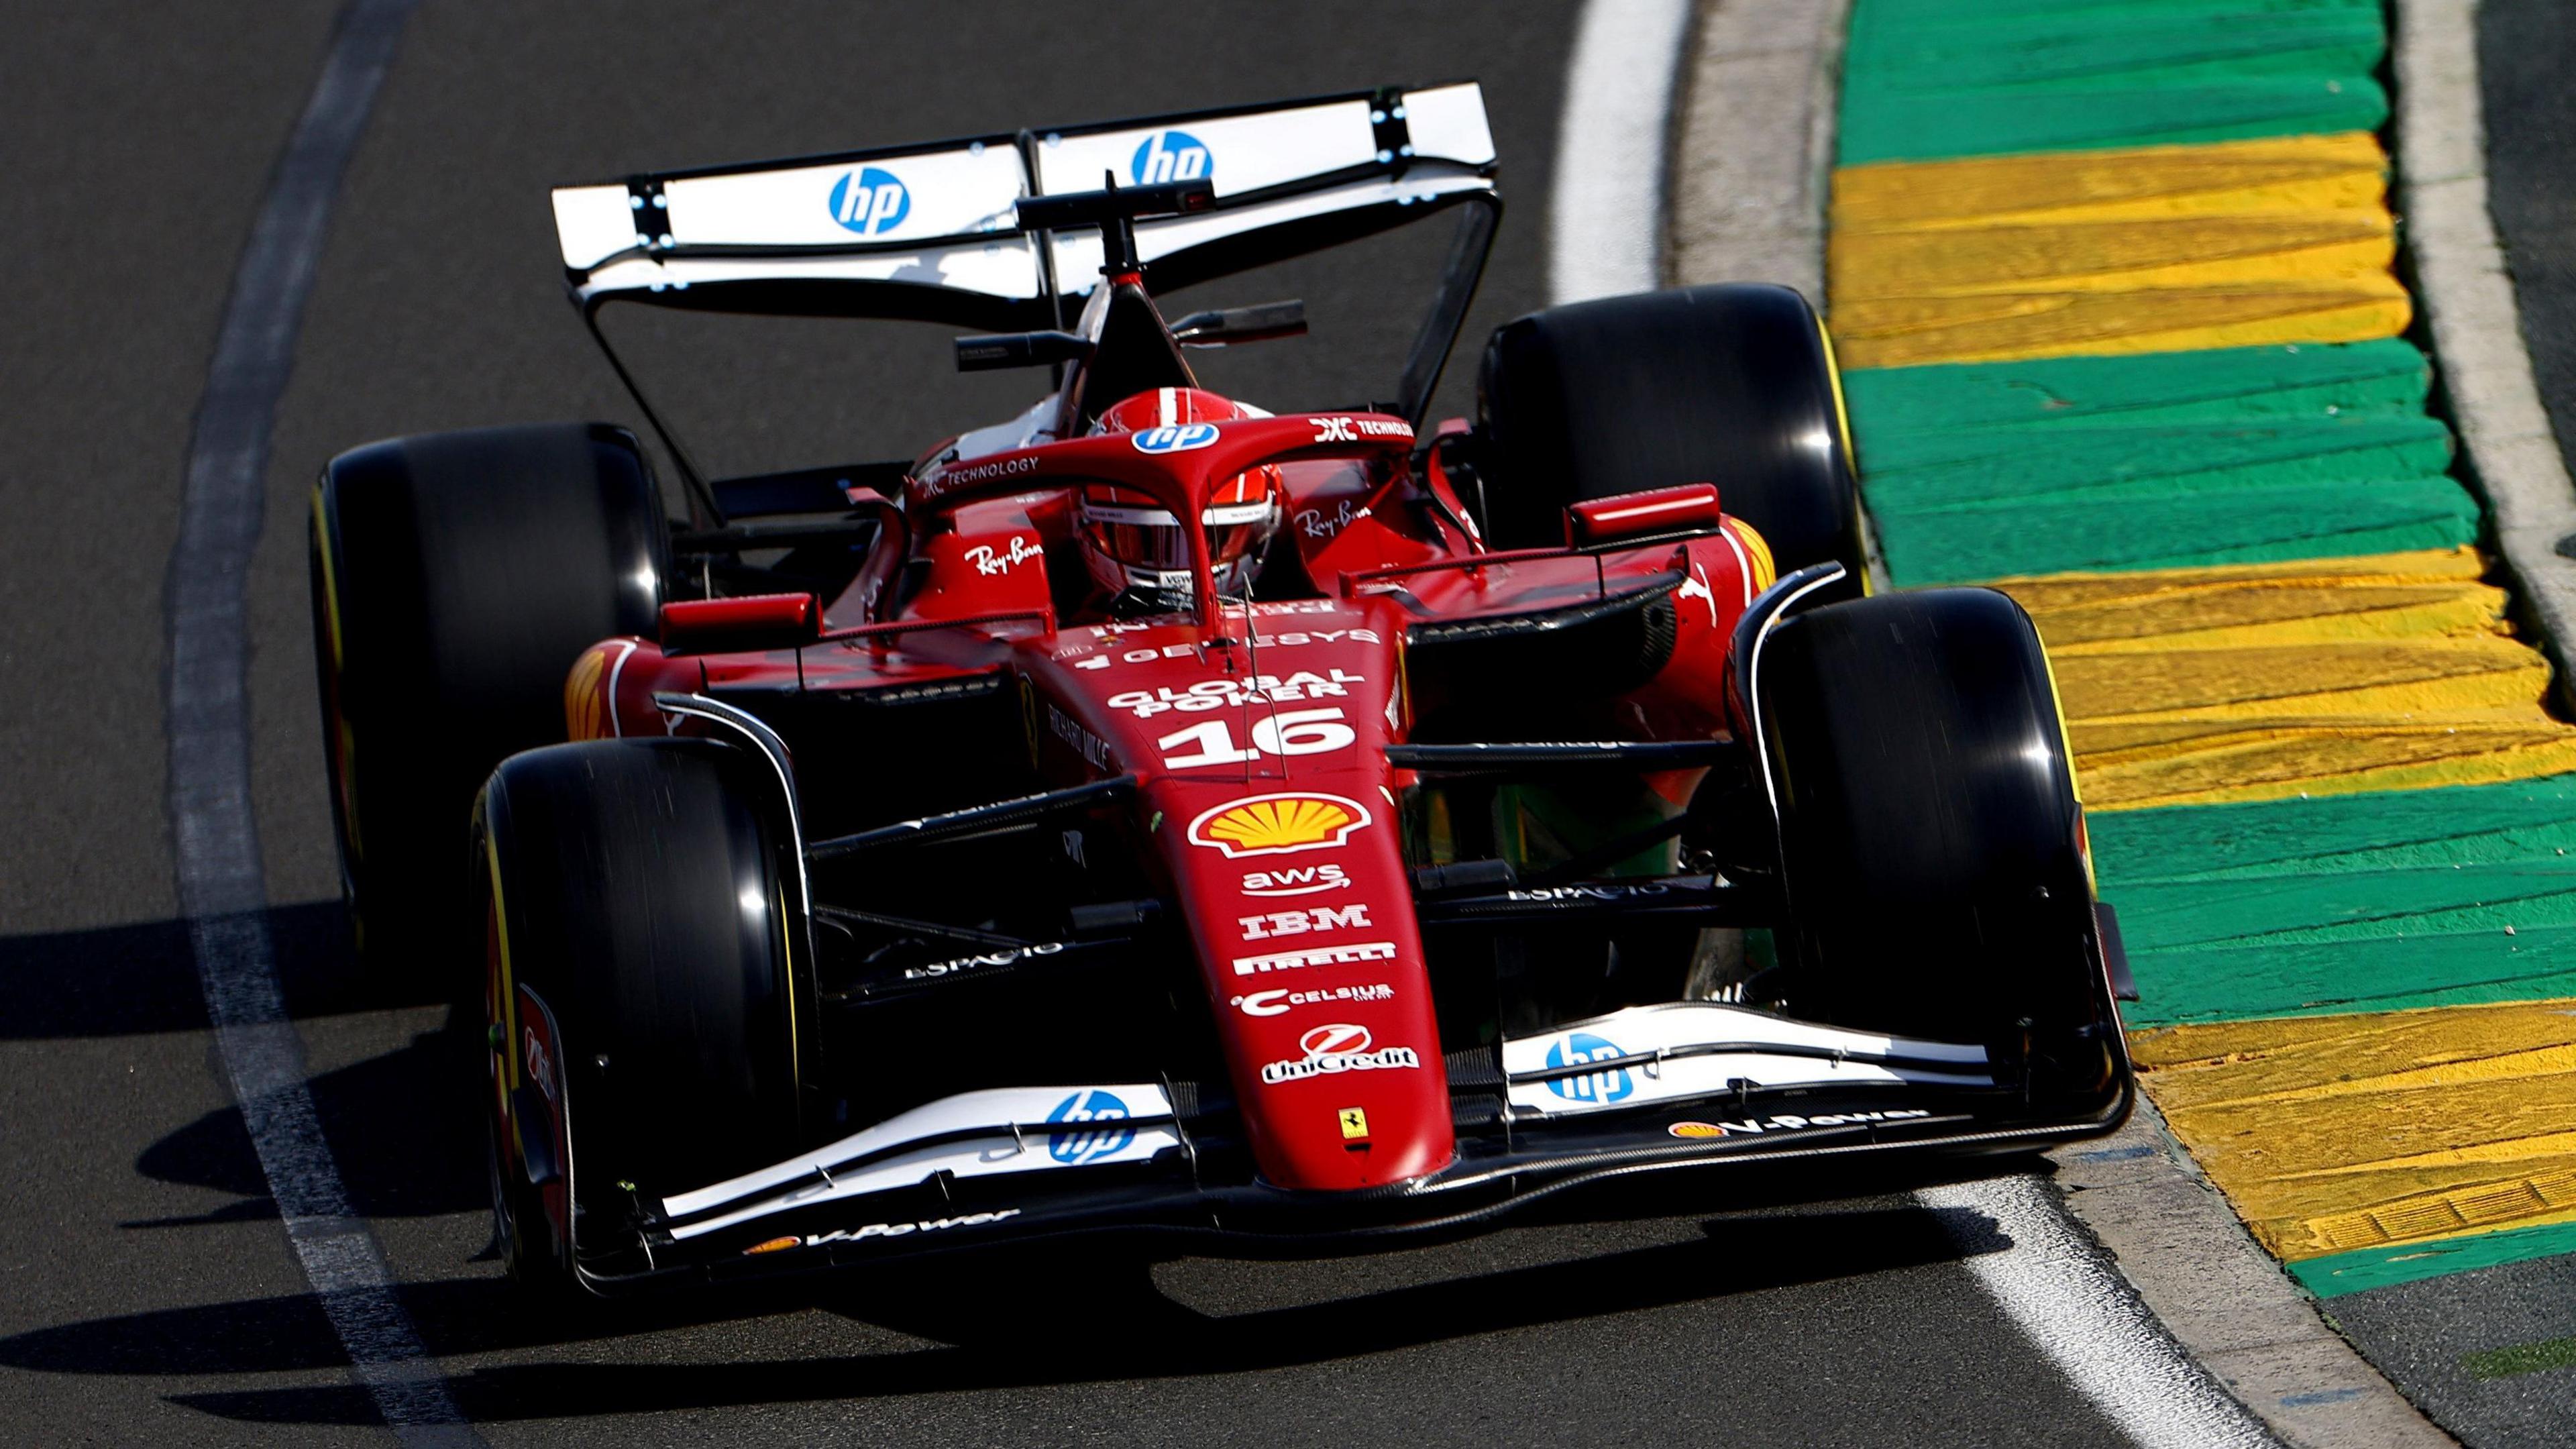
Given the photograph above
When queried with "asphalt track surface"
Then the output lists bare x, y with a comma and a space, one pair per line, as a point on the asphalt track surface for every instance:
147, 1291
2526, 51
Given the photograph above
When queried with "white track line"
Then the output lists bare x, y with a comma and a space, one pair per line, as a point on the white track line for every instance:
215, 836
2055, 1285
1605, 228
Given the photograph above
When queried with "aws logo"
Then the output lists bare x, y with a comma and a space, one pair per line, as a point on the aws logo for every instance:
869, 201
1170, 156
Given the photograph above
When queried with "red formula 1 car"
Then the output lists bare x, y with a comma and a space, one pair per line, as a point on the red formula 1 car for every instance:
1152, 812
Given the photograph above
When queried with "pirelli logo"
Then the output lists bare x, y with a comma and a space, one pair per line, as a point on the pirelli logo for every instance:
1315, 956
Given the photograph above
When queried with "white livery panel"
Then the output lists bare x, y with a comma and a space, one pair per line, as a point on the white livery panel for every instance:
973, 1134
1680, 1049
922, 216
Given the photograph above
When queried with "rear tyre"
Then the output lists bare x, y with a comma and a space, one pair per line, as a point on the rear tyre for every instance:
639, 983
455, 578
1931, 844
1733, 385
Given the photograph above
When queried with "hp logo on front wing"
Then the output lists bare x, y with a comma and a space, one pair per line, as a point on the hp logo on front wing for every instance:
1610, 1086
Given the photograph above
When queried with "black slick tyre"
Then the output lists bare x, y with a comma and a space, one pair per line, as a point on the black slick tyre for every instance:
455, 578
641, 993
1931, 843
1733, 385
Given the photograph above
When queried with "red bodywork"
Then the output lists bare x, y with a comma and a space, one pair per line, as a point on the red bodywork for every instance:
1264, 797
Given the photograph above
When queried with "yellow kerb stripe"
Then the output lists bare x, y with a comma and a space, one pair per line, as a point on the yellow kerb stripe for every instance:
2155, 249
2343, 1132
2262, 681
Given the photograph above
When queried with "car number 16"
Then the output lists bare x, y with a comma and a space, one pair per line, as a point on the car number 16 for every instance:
1288, 732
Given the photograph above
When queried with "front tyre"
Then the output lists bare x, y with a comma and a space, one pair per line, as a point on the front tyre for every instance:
1931, 842
640, 986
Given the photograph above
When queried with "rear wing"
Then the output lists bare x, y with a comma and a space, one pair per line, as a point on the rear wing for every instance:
931, 232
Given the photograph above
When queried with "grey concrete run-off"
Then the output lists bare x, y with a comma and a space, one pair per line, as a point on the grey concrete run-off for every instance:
1753, 155
2180, 1245
2468, 297
1754, 162
1752, 176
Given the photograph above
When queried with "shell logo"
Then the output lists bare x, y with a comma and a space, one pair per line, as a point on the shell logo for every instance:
1278, 824
585, 704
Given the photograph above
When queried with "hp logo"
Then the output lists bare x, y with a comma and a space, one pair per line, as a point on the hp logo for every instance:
870, 201
1175, 438
1108, 1130
1169, 156
1574, 1051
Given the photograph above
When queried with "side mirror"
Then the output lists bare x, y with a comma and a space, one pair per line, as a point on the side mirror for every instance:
1691, 508
1019, 349
751, 623
1229, 325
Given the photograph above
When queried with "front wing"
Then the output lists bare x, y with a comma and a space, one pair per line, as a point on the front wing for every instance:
1651, 1088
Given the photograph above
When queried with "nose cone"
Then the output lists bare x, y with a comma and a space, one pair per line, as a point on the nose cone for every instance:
1267, 796
1303, 918
1344, 1111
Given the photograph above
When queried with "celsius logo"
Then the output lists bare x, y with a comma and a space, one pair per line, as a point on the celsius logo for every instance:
1574, 1051
1169, 156
1107, 1133
1175, 439
870, 201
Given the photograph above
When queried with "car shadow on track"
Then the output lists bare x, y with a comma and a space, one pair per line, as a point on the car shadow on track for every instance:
433, 1165
141, 980
985, 1326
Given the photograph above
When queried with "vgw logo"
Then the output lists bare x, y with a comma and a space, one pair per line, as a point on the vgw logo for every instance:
1175, 438
1170, 156
1107, 1133
1574, 1051
870, 201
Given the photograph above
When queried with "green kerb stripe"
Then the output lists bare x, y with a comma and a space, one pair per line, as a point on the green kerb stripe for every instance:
2166, 460
2345, 903
2341, 1273
1931, 79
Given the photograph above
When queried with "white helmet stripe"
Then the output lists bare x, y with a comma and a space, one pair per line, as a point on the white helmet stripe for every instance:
1119, 513
1171, 408
1160, 518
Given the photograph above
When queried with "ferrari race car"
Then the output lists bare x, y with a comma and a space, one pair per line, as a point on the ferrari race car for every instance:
1154, 812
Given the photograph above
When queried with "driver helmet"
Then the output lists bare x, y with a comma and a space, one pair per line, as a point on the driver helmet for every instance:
1137, 550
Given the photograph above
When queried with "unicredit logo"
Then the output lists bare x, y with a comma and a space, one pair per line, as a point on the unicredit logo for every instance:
1339, 1047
